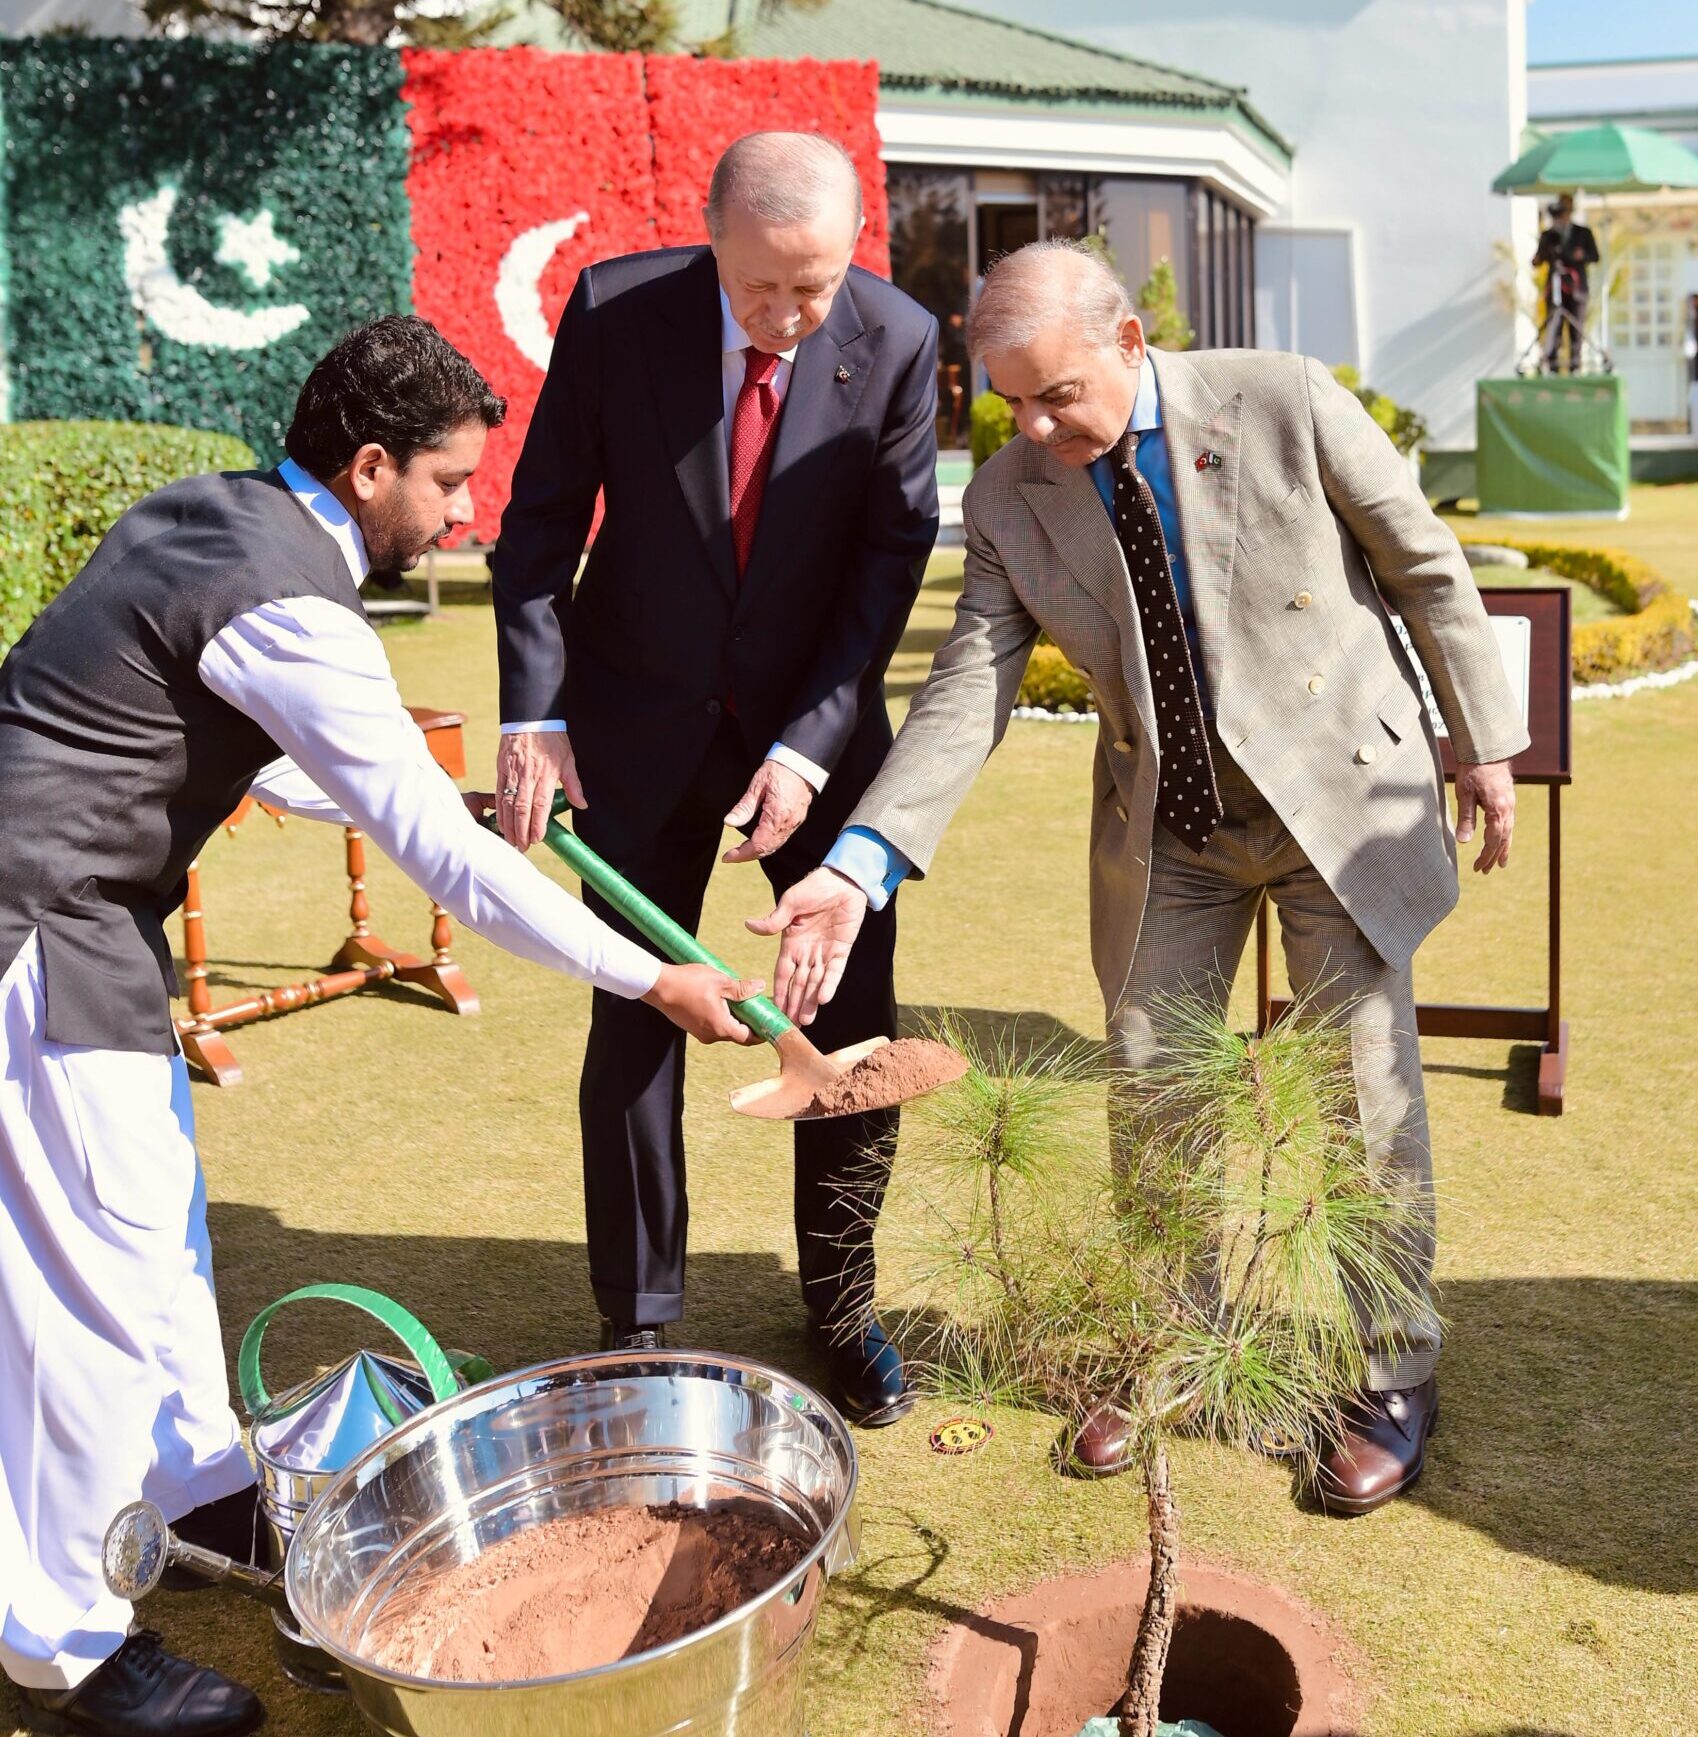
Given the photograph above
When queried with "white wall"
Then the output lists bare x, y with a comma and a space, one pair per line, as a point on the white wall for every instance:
1401, 112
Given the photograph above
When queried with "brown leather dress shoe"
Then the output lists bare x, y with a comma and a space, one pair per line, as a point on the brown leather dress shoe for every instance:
1382, 1451
1101, 1446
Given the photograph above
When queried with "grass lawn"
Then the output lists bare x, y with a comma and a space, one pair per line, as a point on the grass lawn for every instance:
1543, 1579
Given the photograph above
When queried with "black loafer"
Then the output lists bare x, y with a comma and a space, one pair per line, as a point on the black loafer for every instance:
869, 1382
230, 1526
144, 1691
628, 1336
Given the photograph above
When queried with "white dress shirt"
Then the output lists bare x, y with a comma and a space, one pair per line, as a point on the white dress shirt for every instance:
313, 675
733, 343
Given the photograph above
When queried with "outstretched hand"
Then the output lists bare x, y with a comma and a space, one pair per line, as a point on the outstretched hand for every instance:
819, 919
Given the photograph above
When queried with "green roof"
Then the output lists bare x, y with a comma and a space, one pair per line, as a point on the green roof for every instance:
928, 47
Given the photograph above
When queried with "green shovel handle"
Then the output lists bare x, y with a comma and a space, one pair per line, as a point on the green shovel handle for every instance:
760, 1014
411, 1331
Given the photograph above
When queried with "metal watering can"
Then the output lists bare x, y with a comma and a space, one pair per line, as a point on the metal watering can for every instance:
300, 1441
302, 1438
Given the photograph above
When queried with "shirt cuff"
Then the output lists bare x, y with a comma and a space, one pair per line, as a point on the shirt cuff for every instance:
800, 764
546, 727
873, 863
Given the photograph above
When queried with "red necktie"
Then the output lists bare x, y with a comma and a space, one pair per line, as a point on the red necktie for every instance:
752, 425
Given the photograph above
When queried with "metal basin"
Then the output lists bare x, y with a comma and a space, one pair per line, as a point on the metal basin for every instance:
563, 1438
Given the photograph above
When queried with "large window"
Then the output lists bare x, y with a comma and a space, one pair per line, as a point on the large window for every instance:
1224, 263
930, 213
1144, 222
948, 226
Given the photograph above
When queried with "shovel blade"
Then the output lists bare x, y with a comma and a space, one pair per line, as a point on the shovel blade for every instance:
786, 1095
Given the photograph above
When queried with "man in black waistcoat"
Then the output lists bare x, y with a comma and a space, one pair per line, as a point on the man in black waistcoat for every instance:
758, 417
218, 622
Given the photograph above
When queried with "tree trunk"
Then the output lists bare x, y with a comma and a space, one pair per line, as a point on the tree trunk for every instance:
1155, 1625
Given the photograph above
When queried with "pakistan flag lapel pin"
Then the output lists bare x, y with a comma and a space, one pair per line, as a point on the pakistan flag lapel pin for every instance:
1208, 461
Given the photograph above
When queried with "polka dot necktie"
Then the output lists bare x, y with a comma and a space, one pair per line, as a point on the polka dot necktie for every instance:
1187, 798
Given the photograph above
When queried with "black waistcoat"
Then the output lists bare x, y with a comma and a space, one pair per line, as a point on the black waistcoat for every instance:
117, 762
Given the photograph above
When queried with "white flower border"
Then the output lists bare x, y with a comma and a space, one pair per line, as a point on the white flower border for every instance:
1663, 678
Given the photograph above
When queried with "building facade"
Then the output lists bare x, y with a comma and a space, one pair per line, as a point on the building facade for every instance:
1389, 250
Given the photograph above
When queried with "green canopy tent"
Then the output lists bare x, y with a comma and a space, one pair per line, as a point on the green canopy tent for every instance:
1561, 446
1607, 159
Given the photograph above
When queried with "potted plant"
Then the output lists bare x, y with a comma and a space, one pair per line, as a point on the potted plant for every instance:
1211, 1288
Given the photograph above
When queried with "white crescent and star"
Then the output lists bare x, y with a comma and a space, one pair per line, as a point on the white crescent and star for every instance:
252, 246
178, 310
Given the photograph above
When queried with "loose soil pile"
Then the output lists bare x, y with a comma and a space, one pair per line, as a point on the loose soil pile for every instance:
584, 1590
892, 1074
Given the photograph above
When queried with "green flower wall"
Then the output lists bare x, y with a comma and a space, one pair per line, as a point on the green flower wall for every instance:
221, 192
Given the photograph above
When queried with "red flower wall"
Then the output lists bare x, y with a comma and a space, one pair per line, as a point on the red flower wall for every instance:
510, 146
506, 141
700, 106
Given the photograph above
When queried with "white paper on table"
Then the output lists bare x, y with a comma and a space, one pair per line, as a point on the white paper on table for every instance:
1514, 634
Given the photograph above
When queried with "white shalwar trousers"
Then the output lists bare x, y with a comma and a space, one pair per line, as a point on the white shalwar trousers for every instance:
112, 1382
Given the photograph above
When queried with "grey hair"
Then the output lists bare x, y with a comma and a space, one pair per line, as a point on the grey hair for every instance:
782, 178
1043, 284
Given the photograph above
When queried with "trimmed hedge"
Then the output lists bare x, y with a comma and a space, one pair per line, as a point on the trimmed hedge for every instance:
1658, 637
1053, 684
62, 484
1656, 631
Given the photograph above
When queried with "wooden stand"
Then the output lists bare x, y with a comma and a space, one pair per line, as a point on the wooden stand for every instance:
361, 961
1547, 761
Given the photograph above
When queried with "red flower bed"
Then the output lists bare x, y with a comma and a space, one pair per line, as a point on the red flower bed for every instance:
513, 148
699, 106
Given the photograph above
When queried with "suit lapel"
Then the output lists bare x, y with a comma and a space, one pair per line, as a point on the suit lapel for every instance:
689, 384
1195, 423
1064, 500
819, 406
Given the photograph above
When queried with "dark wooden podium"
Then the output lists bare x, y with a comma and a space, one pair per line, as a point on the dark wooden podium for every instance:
1548, 761
362, 960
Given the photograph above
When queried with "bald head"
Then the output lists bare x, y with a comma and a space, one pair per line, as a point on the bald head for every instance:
1055, 330
782, 217
784, 179
1045, 284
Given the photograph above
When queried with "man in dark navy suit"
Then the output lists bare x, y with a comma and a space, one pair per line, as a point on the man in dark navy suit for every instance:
759, 418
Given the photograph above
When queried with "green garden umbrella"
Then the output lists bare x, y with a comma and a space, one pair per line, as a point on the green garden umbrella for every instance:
1601, 160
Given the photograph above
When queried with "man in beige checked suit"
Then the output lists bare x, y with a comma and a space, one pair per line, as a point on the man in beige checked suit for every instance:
1218, 542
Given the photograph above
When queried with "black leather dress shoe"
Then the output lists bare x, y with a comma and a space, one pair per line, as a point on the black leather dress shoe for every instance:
1382, 1450
230, 1526
628, 1336
144, 1691
869, 1383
